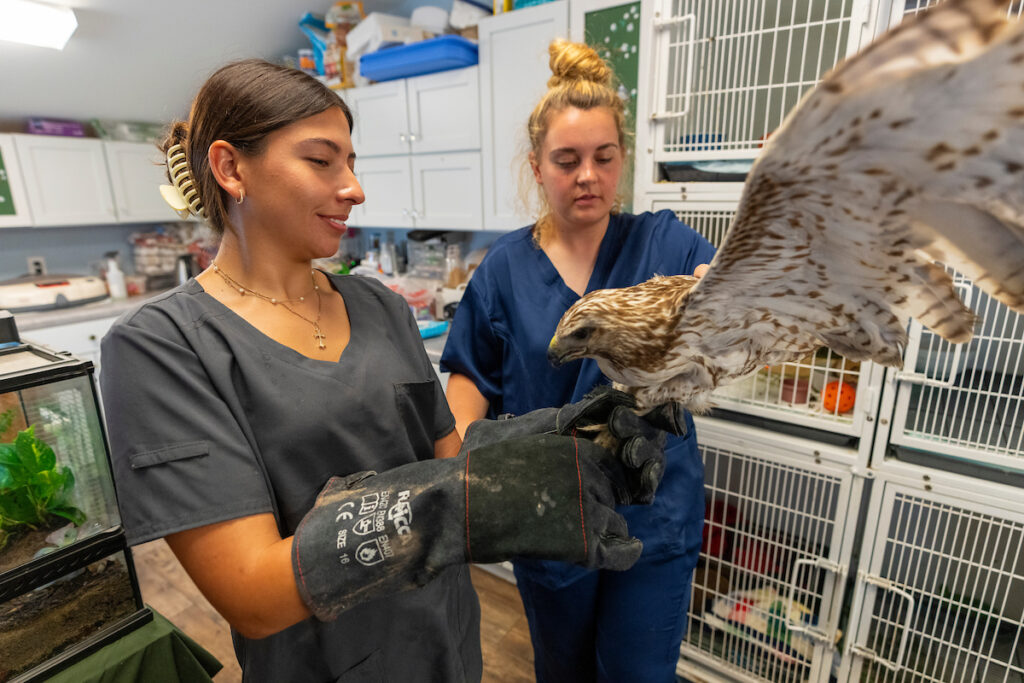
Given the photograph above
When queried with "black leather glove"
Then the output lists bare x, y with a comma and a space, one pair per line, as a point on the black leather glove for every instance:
635, 461
593, 410
539, 496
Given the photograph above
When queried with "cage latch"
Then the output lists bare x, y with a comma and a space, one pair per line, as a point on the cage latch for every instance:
868, 653
826, 639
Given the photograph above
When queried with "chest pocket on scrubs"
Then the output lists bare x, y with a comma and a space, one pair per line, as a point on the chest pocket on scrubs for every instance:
416, 402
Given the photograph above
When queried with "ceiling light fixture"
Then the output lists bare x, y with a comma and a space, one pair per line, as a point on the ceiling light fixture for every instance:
36, 23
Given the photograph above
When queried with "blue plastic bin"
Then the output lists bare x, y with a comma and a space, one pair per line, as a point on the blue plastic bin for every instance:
425, 57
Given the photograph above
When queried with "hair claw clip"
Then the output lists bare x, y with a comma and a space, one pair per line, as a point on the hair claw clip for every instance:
182, 196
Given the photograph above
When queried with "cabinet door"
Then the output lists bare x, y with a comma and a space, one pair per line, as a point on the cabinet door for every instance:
66, 180
446, 188
136, 173
381, 119
14, 211
444, 111
513, 77
388, 188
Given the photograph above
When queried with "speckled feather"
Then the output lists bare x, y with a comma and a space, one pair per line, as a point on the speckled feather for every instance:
909, 152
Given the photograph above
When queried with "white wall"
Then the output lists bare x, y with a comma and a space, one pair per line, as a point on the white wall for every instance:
144, 60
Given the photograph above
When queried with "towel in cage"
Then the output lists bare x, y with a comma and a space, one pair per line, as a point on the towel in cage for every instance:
759, 616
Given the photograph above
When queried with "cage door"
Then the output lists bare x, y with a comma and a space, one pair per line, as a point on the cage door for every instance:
965, 401
777, 542
727, 73
941, 597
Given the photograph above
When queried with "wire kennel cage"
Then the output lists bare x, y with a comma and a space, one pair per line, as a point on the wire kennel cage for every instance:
778, 538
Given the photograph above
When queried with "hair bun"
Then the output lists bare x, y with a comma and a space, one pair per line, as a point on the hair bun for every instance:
576, 62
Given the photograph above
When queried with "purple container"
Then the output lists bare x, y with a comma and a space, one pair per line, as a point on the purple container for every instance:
39, 126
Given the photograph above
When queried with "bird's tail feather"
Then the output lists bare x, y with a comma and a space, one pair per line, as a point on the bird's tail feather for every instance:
990, 253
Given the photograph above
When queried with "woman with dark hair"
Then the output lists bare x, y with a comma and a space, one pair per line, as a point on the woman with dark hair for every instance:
251, 409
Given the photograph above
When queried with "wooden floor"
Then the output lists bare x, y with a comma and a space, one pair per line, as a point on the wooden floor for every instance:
505, 638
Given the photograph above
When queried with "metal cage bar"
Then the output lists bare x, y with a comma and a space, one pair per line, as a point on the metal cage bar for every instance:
943, 597
763, 603
729, 72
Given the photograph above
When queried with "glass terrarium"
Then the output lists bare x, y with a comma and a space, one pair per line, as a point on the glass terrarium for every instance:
67, 584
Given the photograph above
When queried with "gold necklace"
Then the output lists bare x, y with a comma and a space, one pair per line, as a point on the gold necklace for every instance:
318, 334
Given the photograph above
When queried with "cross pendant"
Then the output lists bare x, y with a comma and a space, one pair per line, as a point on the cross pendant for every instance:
319, 336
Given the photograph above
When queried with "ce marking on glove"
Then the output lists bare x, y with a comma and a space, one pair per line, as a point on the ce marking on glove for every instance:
343, 513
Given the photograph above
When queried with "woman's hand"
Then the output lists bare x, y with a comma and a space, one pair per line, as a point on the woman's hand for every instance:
700, 270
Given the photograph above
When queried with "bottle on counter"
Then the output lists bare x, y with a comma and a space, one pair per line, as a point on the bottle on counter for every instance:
115, 278
454, 268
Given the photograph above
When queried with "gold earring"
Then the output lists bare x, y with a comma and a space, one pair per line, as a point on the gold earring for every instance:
241, 197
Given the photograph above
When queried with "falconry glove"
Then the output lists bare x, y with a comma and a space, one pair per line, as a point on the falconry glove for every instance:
635, 459
540, 496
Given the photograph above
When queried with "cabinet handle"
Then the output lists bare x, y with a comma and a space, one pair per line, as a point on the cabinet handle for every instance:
401, 137
92, 337
412, 137
405, 212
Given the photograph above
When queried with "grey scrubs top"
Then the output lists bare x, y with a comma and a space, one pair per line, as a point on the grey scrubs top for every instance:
211, 420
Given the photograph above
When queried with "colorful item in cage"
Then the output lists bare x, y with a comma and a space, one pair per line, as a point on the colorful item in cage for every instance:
759, 616
839, 397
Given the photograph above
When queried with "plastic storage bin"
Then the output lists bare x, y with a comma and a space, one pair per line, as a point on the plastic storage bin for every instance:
426, 57
67, 584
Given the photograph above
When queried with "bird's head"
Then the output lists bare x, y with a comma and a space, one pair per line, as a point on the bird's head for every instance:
628, 331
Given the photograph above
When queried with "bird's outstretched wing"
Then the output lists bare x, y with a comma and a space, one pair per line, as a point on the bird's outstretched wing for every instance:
910, 151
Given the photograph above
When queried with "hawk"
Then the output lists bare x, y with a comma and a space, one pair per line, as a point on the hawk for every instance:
908, 153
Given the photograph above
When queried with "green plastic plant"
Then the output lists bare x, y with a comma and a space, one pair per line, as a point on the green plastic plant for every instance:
33, 489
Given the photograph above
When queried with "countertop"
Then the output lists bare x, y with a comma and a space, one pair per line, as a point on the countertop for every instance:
434, 347
111, 309
108, 308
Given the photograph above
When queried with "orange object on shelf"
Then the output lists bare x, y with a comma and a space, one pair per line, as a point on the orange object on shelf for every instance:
839, 397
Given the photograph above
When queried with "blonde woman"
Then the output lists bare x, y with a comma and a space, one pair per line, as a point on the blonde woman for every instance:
585, 625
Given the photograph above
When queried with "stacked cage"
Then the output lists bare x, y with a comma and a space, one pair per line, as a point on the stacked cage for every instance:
862, 524
67, 583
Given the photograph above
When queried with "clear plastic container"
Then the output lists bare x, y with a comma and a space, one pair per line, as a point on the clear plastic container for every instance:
67, 583
454, 268
55, 482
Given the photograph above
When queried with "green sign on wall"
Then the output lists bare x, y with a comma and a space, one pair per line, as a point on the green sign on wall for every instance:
6, 200
615, 34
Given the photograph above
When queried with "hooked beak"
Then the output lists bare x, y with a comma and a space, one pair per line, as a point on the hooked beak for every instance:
556, 356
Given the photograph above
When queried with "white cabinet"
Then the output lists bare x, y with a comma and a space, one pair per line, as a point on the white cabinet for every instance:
14, 209
446, 190
387, 184
434, 113
381, 119
66, 180
422, 190
417, 141
444, 111
513, 76
136, 173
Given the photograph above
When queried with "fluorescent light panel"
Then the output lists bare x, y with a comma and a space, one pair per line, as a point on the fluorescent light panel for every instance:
35, 23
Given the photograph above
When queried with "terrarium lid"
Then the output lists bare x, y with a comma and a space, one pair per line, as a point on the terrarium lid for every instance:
26, 364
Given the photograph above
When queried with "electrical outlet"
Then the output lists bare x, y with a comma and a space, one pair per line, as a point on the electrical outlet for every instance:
36, 265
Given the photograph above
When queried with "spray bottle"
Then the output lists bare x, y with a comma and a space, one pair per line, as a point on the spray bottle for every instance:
115, 278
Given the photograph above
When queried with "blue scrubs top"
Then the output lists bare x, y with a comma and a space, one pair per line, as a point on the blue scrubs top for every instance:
499, 339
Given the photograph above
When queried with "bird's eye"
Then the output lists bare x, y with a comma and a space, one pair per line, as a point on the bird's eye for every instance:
581, 333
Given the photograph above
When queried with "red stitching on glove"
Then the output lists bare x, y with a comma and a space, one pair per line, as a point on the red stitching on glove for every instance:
469, 551
579, 478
